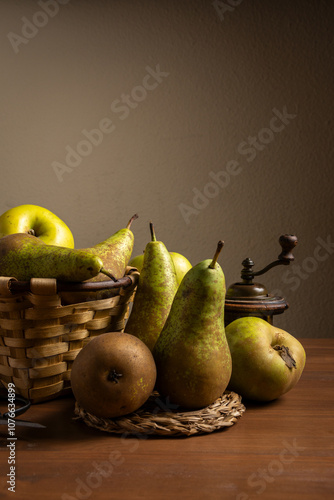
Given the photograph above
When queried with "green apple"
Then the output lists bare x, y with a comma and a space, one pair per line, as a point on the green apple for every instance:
181, 264
38, 221
266, 361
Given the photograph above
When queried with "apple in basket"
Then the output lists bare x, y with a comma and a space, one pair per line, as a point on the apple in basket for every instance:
113, 375
38, 221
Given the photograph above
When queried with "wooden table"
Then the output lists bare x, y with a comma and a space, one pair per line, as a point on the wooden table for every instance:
278, 450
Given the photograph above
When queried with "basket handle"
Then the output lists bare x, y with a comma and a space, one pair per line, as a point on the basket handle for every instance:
10, 286
6, 284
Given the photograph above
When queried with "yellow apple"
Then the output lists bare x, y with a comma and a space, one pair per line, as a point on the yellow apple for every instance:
137, 262
38, 221
181, 264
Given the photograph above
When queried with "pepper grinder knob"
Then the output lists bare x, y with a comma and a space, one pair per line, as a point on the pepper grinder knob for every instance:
288, 243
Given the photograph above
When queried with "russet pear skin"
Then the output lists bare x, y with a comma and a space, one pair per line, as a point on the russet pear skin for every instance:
156, 289
24, 256
113, 375
191, 354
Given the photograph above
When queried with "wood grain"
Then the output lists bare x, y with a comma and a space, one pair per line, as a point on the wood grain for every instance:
282, 449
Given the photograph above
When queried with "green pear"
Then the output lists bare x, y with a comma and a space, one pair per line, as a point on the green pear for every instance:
24, 256
267, 362
191, 354
181, 264
115, 253
156, 288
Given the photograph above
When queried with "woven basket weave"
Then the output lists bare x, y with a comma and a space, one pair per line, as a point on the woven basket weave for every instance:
40, 337
159, 418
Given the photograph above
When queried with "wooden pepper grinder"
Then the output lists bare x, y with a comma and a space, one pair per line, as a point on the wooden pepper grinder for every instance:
247, 298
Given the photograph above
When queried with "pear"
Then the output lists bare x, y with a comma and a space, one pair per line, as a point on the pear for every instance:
156, 289
24, 256
267, 361
113, 375
115, 253
192, 355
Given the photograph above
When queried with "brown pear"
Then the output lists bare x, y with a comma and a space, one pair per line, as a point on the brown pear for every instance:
113, 375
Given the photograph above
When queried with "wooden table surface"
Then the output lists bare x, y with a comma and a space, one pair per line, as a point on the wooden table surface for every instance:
278, 450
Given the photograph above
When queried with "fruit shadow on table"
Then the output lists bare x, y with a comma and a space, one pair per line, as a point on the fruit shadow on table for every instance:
60, 423
251, 404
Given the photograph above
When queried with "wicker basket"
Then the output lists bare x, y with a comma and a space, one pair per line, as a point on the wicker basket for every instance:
40, 337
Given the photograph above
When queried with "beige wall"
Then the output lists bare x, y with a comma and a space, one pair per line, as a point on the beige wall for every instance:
224, 77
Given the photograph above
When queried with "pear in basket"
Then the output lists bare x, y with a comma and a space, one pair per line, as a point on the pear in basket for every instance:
115, 253
24, 256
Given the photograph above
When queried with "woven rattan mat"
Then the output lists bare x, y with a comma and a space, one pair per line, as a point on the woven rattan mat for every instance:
159, 417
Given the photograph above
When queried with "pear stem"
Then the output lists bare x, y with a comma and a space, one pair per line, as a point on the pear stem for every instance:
153, 237
134, 217
216, 255
104, 271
